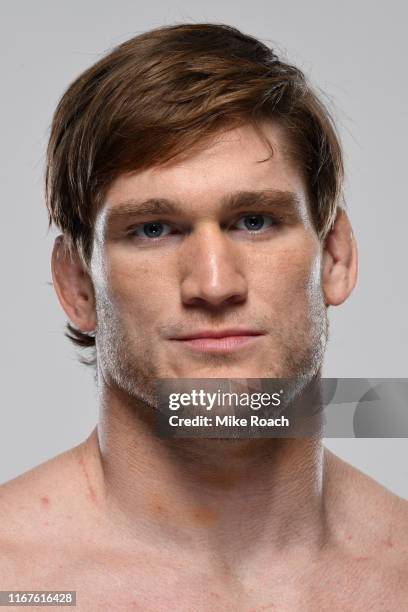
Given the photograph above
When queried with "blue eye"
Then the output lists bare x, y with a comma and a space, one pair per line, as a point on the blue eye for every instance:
151, 229
154, 230
255, 223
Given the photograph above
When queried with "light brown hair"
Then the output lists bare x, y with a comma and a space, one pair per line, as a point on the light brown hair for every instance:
157, 95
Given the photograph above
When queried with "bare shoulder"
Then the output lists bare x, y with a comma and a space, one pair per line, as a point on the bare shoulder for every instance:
45, 512
33, 492
368, 539
367, 518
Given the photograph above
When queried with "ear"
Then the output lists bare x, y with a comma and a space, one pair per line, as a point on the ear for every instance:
73, 286
340, 261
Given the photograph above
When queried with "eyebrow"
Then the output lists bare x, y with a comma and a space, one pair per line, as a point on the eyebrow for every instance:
285, 204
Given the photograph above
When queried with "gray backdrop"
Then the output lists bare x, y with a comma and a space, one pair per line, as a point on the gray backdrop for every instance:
355, 52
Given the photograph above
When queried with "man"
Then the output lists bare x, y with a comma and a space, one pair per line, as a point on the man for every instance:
196, 181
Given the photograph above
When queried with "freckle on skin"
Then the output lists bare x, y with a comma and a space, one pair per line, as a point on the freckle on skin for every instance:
204, 517
159, 509
156, 505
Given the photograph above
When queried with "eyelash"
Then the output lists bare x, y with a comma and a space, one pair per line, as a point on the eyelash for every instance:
132, 231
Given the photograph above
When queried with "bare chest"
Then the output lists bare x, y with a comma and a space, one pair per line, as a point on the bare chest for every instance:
156, 587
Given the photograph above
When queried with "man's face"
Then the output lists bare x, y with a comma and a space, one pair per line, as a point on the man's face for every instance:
218, 261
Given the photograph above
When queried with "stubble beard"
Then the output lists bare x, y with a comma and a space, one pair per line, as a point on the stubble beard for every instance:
130, 372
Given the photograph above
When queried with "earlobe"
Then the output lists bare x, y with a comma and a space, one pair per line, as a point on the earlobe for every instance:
340, 261
73, 286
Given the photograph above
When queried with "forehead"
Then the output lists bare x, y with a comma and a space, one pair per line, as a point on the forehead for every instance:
239, 159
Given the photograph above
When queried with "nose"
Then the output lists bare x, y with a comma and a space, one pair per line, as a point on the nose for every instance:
211, 269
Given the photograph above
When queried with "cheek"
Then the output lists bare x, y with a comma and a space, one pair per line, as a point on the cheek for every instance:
292, 280
136, 292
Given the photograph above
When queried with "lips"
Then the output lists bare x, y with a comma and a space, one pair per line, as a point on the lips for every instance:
221, 333
222, 341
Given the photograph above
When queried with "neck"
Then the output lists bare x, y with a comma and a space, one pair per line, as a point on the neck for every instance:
225, 499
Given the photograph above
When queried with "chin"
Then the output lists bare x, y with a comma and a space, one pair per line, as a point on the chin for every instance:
226, 372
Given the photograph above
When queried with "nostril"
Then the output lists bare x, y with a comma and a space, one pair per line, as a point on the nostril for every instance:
216, 301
